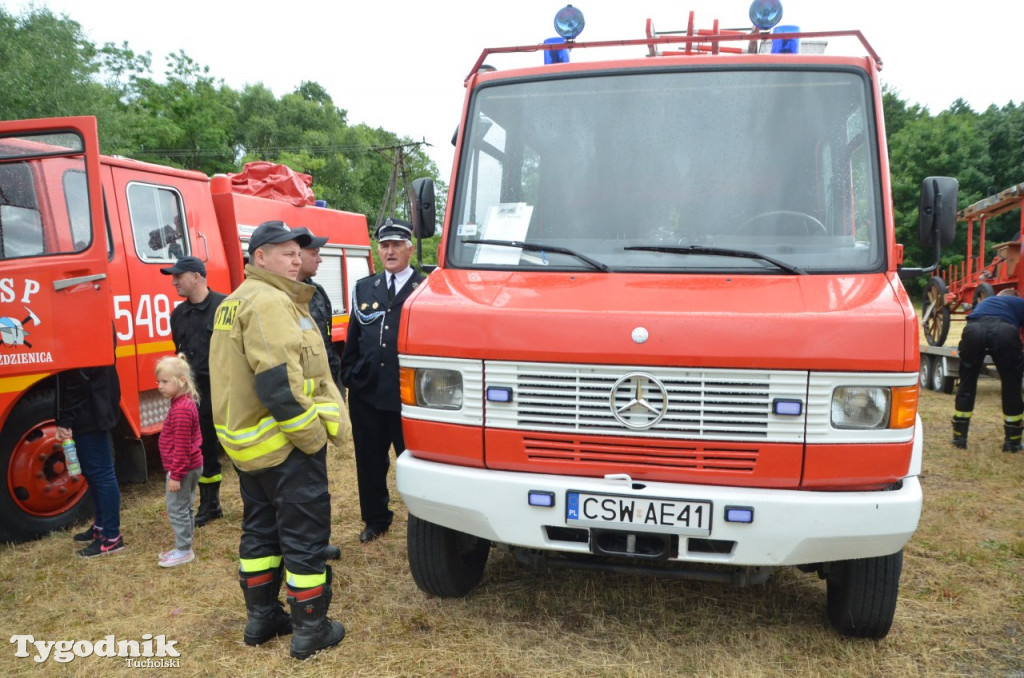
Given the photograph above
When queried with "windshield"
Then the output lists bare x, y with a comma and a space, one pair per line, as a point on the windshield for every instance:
754, 171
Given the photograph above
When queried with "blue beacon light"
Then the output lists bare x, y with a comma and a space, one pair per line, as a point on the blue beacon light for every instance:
765, 13
569, 22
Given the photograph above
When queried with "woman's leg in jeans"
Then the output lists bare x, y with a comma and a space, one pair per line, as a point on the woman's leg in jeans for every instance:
95, 454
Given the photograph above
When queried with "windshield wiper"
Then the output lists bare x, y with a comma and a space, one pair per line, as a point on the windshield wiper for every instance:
722, 252
539, 247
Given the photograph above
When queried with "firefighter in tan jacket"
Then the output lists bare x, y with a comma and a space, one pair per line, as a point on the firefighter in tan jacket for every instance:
275, 407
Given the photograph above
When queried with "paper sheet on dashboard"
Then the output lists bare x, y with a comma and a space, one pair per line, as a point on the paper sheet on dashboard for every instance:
507, 221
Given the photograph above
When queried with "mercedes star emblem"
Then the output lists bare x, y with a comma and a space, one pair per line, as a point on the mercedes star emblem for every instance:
638, 400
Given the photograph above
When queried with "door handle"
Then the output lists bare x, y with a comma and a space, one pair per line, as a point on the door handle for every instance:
71, 282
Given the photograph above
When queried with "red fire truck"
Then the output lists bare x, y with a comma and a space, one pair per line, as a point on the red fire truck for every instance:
82, 241
667, 331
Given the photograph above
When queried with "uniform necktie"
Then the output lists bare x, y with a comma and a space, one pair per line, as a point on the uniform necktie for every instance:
391, 287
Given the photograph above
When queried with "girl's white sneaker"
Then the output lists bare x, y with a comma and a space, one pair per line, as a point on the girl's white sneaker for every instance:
177, 557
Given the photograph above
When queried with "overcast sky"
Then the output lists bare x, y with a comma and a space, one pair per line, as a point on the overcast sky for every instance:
400, 64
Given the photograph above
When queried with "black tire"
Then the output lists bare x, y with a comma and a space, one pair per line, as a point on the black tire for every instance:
941, 382
927, 365
935, 320
862, 593
30, 429
445, 562
980, 292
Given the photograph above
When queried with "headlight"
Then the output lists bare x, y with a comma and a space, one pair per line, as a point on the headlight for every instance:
863, 407
434, 388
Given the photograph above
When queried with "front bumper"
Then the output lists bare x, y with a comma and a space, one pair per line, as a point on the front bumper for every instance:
790, 527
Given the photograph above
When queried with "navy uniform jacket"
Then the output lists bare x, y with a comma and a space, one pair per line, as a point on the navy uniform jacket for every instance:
369, 363
1010, 309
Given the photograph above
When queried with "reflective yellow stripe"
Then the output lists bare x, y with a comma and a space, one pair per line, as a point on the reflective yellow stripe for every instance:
301, 421
328, 409
275, 442
305, 581
19, 384
260, 564
1013, 420
962, 415
144, 348
307, 387
203, 480
329, 414
240, 437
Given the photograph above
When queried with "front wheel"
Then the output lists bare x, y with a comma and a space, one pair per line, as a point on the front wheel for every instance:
445, 562
861, 595
37, 495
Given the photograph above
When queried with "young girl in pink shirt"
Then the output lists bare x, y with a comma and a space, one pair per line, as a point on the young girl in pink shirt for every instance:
181, 454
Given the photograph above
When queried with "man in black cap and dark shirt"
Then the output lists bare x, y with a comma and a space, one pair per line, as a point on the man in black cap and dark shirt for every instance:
191, 328
369, 368
322, 311
993, 328
320, 306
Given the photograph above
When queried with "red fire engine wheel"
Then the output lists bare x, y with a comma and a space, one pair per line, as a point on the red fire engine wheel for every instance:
38, 496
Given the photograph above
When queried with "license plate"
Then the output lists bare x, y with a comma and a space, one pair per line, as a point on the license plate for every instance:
652, 513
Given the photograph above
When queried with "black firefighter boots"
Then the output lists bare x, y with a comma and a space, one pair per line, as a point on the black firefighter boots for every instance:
267, 617
209, 503
960, 426
1012, 436
313, 630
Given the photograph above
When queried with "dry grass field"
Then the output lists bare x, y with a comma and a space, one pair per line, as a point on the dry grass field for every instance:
961, 609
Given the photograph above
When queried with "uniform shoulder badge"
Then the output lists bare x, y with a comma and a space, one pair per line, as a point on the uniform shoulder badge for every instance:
226, 313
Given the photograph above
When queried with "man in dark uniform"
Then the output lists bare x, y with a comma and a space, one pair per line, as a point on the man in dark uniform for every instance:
320, 306
369, 368
993, 328
191, 328
322, 311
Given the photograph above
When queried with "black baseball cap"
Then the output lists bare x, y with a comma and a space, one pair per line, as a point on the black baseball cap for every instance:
186, 265
394, 229
273, 232
316, 242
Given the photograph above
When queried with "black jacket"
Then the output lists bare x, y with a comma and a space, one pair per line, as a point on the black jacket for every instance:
323, 315
88, 399
191, 329
369, 363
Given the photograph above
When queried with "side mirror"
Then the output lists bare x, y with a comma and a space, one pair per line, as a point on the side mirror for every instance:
424, 213
937, 212
936, 220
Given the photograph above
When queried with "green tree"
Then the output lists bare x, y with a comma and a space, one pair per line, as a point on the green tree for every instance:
897, 113
946, 145
190, 118
47, 68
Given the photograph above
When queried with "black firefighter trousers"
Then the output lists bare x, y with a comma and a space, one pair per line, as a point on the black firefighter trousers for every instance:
287, 512
1001, 340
